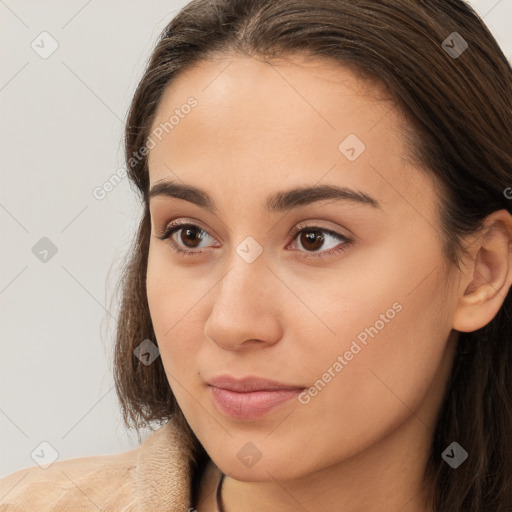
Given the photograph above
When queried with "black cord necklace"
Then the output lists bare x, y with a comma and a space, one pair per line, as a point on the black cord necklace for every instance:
219, 499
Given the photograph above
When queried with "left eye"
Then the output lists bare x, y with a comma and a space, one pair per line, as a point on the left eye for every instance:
311, 240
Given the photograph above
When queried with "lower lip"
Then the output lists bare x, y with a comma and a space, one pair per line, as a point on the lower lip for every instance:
253, 404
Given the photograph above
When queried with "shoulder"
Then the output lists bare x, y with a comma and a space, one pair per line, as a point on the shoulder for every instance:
156, 476
84, 484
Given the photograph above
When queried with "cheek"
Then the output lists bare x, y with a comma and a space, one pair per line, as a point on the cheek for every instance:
175, 299
378, 384
163, 288
171, 290
391, 318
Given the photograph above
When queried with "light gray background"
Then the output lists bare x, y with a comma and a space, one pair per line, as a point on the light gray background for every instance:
61, 136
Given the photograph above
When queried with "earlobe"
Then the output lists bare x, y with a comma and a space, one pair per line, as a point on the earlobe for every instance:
487, 275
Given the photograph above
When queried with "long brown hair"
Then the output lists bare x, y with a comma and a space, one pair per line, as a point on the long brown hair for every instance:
459, 111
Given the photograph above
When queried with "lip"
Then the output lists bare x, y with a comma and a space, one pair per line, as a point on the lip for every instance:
250, 398
249, 383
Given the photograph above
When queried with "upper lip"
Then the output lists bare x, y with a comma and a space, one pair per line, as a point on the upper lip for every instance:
249, 383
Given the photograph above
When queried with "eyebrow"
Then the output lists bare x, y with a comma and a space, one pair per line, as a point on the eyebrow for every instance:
278, 202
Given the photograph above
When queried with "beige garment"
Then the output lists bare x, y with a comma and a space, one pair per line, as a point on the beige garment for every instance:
156, 476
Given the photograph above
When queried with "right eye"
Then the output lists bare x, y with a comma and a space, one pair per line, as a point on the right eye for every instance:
187, 233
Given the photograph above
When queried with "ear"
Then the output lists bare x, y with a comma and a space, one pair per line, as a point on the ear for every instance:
487, 274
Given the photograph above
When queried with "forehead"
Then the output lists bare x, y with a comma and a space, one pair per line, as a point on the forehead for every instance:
298, 97
257, 124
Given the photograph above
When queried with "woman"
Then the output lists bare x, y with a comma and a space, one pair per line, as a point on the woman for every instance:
324, 262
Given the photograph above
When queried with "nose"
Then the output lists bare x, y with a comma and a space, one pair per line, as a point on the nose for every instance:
247, 308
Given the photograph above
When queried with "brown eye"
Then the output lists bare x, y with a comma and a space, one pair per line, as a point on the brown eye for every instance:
186, 239
311, 240
191, 237
317, 242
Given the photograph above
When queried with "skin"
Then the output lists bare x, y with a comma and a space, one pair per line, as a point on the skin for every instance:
362, 441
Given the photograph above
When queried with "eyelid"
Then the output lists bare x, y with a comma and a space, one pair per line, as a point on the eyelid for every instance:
316, 224
182, 222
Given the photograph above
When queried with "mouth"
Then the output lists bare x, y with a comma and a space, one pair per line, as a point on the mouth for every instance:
251, 397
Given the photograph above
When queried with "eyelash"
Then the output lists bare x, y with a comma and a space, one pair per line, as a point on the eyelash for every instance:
172, 228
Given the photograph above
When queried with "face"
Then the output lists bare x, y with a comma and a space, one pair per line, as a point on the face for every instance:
342, 292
